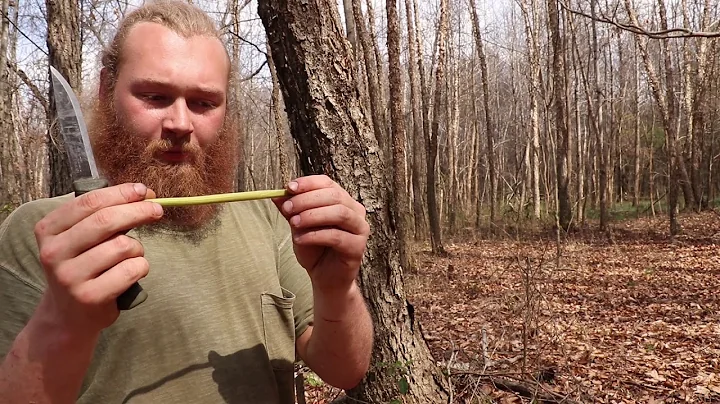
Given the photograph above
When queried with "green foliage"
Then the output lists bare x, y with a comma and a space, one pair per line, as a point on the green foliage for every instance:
400, 370
6, 208
311, 379
622, 211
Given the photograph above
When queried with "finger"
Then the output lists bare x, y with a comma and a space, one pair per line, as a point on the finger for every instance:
100, 226
316, 199
112, 283
339, 216
83, 206
279, 204
309, 183
97, 260
343, 242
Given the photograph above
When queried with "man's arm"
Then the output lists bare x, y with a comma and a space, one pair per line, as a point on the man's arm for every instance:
330, 234
87, 263
46, 363
338, 346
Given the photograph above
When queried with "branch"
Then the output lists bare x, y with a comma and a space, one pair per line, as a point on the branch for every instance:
635, 29
33, 88
255, 73
248, 42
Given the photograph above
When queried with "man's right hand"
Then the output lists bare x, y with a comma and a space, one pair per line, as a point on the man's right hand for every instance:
87, 259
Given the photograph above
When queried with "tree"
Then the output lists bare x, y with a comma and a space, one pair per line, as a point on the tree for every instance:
666, 104
560, 114
397, 119
64, 52
314, 66
417, 119
489, 124
532, 23
431, 142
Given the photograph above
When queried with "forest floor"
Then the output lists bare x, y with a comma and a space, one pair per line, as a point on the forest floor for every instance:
630, 318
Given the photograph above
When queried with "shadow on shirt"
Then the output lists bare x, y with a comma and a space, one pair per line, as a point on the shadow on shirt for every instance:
242, 377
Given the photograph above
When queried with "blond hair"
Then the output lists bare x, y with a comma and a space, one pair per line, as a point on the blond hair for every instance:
182, 18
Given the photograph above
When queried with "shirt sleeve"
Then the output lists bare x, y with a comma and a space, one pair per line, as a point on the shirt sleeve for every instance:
22, 280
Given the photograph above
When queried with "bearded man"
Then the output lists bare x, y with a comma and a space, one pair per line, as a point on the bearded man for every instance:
238, 291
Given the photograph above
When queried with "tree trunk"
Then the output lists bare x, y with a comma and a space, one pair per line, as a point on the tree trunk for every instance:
315, 71
532, 22
400, 198
373, 81
489, 124
8, 182
64, 52
667, 109
279, 119
432, 142
559, 91
636, 128
417, 136
242, 167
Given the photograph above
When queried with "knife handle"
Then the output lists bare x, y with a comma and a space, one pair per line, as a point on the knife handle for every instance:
135, 293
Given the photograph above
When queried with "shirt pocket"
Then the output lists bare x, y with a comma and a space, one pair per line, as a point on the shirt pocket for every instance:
279, 329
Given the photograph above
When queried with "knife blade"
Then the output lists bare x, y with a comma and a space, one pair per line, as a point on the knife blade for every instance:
82, 161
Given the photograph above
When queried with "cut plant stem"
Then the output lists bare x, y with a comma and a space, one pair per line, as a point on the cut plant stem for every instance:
220, 198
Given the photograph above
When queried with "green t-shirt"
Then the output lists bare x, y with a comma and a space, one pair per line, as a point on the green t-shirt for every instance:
219, 325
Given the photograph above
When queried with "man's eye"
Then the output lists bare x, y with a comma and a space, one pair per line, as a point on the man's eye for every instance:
204, 103
153, 97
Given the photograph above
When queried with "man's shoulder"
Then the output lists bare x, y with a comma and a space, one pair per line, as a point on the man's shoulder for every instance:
18, 247
31, 212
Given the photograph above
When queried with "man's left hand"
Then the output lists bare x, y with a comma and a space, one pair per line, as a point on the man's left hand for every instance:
329, 231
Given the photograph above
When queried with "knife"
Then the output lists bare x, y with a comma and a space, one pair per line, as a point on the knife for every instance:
82, 161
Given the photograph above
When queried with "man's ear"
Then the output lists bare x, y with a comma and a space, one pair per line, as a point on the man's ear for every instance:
103, 87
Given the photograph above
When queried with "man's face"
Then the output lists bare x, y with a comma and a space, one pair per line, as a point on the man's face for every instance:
165, 122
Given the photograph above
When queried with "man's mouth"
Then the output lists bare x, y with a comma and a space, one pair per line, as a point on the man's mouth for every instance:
175, 155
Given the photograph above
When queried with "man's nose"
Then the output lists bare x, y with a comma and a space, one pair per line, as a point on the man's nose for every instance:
178, 119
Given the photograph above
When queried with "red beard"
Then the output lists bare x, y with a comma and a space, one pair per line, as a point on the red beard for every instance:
124, 157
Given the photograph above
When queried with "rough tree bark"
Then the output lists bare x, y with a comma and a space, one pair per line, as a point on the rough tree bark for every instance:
532, 22
7, 173
242, 169
559, 91
489, 124
431, 143
417, 134
279, 119
372, 73
64, 52
668, 113
400, 198
597, 123
315, 71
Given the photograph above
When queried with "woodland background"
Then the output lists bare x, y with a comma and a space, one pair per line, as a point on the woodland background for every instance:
552, 166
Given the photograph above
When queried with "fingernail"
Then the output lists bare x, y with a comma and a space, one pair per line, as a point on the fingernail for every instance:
158, 209
293, 186
287, 206
295, 220
140, 189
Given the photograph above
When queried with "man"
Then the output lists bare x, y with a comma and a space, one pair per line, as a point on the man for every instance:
237, 292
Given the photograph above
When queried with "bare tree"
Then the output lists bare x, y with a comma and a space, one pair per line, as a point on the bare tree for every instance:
431, 143
400, 198
489, 124
327, 121
417, 118
64, 52
668, 113
532, 23
560, 114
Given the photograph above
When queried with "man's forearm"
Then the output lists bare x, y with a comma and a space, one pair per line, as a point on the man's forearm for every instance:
341, 342
45, 364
